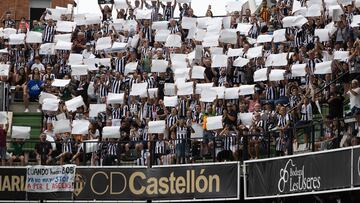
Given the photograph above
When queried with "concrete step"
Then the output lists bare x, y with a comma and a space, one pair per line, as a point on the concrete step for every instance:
20, 107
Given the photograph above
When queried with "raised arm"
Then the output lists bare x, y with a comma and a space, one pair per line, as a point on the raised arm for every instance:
128, 3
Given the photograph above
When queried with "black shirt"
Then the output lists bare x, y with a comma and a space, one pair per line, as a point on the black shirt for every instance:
9, 23
336, 106
43, 148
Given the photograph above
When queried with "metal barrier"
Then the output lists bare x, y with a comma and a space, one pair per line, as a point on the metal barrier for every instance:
4, 95
239, 147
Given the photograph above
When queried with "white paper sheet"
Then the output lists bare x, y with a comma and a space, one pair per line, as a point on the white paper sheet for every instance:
235, 52
341, 55
260, 75
200, 34
208, 95
143, 14
197, 72
220, 91
156, 127
50, 139
323, 68
323, 34
118, 24
103, 43
104, 61
118, 46
120, 4
160, 25
214, 123
138, 89
169, 89
336, 14
62, 126
178, 57
183, 1
246, 89
232, 93
292, 21
214, 25
80, 127
188, 23
61, 45
244, 28
254, 52
228, 36
93, 18
65, 26
173, 41
246, 118
50, 104
90, 62
240, 62
355, 21
216, 50
45, 95
79, 70
226, 22
202, 23
162, 35
171, 101
56, 13
232, 6
298, 70
4, 51
62, 37
20, 132
3, 117
47, 49
74, 103
131, 67
219, 61
279, 35
15, 39
185, 88
95, 109
60, 82
313, 10
296, 6
276, 60
114, 98
182, 74
276, 75
264, 38
178, 65
4, 69
202, 86
198, 131
191, 56
159, 66
75, 59
80, 19
153, 92
33, 37
8, 31
211, 40
111, 132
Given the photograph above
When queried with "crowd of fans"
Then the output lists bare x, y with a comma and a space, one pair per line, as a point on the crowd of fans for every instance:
277, 106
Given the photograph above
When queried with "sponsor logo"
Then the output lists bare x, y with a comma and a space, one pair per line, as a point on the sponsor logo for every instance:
139, 183
79, 184
293, 179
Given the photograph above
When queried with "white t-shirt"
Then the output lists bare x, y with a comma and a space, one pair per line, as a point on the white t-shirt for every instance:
355, 99
40, 66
